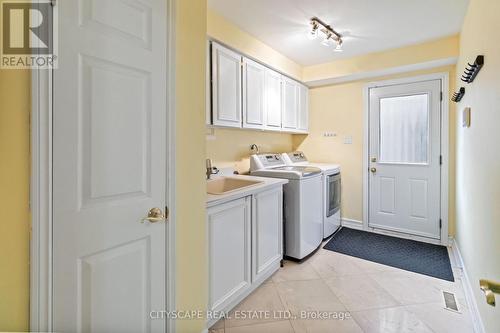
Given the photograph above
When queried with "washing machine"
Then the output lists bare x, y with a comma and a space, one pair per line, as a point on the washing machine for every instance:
331, 189
303, 220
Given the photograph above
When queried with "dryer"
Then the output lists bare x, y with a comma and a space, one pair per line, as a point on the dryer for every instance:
303, 220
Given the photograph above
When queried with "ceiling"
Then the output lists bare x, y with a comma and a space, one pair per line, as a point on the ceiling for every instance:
368, 25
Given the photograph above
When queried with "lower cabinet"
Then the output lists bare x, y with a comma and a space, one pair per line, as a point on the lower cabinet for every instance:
245, 246
267, 234
229, 254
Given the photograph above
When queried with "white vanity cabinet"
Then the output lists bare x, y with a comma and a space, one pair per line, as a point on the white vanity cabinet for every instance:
226, 87
245, 245
229, 232
267, 233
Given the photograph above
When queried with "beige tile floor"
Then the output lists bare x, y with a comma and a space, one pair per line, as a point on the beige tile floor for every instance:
371, 298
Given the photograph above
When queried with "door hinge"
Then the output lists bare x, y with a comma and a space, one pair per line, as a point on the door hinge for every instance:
440, 223
440, 159
441, 96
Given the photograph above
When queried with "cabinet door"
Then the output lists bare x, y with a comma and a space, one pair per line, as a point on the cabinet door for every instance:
290, 104
226, 87
303, 119
273, 100
254, 75
229, 230
267, 234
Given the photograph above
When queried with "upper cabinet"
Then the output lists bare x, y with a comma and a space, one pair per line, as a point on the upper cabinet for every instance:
226, 87
247, 94
273, 105
290, 102
303, 112
254, 76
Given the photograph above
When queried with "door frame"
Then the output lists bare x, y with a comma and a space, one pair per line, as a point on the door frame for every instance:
444, 145
41, 205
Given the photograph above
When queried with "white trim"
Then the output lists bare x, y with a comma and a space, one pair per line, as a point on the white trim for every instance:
383, 72
467, 287
41, 191
350, 223
171, 171
41, 202
445, 111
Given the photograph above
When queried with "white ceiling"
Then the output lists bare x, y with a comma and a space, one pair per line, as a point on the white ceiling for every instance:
369, 25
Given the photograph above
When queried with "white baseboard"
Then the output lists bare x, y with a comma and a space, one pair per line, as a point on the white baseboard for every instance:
353, 224
467, 286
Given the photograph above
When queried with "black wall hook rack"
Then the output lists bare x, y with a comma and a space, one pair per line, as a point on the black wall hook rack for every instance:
457, 97
471, 71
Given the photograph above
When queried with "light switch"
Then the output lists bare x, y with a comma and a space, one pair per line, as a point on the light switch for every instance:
329, 134
348, 140
466, 117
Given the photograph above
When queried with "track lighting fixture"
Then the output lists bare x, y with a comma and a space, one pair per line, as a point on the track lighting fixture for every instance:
330, 36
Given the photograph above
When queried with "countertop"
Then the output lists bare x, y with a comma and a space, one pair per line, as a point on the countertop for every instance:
217, 199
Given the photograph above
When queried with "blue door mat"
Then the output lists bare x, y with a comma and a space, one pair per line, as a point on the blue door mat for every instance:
407, 254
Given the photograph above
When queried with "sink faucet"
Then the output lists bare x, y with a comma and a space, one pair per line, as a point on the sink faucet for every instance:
210, 169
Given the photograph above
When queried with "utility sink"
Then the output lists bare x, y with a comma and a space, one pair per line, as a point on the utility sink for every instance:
224, 185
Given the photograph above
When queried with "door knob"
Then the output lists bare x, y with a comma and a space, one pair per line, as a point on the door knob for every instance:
154, 215
489, 288
373, 170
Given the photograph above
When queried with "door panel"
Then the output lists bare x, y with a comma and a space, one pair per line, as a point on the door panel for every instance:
226, 85
109, 147
404, 187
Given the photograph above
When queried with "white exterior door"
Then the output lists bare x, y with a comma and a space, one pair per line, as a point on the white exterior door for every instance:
273, 106
290, 104
404, 148
110, 146
254, 75
226, 86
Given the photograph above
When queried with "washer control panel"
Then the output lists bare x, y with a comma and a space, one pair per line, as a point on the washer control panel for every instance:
297, 157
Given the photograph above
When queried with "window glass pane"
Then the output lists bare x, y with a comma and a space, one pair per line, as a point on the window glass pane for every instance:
404, 129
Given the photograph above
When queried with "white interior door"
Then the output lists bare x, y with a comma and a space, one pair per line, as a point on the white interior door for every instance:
404, 185
110, 147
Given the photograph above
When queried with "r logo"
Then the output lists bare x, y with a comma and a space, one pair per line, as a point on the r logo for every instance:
27, 28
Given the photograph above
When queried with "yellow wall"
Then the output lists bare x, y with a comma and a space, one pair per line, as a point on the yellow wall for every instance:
230, 147
14, 198
224, 31
434, 50
478, 155
340, 109
191, 268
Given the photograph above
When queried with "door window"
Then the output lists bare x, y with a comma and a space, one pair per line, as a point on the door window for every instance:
404, 129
